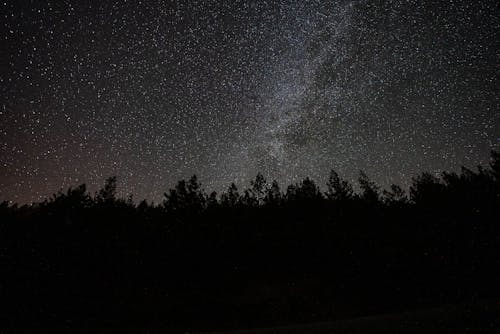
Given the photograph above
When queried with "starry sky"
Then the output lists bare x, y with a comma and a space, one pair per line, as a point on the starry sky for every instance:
155, 91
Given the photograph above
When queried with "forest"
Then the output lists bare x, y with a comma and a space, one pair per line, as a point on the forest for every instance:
257, 257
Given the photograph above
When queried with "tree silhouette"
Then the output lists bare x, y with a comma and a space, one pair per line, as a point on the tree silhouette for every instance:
231, 198
369, 189
212, 201
185, 197
273, 196
259, 188
426, 190
306, 190
198, 262
495, 168
107, 194
395, 195
338, 189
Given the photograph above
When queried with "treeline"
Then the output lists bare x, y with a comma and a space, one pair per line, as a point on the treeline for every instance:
257, 257
188, 198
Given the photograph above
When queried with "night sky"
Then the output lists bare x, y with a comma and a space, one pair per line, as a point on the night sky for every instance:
155, 91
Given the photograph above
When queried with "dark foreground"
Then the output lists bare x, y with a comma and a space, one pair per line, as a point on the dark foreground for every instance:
261, 258
480, 317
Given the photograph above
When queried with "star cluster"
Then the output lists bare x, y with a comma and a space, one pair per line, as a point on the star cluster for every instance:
155, 91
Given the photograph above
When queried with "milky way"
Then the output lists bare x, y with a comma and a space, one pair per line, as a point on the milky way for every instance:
155, 91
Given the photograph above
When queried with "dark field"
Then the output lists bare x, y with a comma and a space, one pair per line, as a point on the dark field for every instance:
482, 317
262, 258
